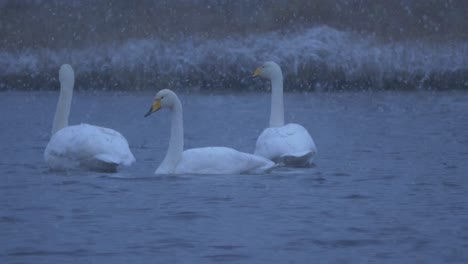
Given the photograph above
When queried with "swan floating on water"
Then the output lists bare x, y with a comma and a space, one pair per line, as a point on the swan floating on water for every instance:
208, 160
82, 146
289, 144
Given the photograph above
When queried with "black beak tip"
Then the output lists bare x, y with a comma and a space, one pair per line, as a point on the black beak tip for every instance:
148, 113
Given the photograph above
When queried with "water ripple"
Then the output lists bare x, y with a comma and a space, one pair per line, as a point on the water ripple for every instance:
299, 244
356, 196
227, 257
10, 220
78, 252
187, 216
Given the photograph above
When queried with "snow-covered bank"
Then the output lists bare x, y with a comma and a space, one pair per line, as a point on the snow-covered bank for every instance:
318, 57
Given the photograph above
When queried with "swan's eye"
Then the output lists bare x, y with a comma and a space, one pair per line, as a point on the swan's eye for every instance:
162, 97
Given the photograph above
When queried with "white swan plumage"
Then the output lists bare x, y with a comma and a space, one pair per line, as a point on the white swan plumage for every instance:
291, 144
208, 160
82, 146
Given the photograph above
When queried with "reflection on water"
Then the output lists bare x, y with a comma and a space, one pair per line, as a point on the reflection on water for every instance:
389, 183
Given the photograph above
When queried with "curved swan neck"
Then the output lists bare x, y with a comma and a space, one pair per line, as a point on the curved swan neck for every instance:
63, 107
176, 142
277, 107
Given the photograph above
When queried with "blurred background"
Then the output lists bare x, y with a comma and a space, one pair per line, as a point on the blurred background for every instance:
208, 45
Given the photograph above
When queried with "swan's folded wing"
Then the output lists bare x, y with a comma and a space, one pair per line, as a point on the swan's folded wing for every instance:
291, 139
220, 160
84, 143
108, 145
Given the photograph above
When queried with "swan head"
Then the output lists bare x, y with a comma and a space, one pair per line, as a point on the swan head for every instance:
66, 76
163, 99
268, 70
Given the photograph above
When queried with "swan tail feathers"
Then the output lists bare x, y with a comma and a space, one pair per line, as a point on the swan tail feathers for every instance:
107, 158
299, 159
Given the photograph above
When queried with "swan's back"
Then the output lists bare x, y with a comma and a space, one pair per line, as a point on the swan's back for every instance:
89, 147
291, 140
221, 160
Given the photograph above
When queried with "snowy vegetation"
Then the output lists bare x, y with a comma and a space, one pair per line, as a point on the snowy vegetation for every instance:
215, 45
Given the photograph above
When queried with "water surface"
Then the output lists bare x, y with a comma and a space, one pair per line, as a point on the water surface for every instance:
389, 185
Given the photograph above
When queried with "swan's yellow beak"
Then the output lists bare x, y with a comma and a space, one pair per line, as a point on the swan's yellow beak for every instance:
257, 72
155, 107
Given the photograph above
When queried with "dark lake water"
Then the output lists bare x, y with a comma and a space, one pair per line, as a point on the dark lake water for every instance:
390, 183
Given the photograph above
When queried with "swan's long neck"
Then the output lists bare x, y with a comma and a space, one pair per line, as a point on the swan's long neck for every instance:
176, 143
63, 107
277, 108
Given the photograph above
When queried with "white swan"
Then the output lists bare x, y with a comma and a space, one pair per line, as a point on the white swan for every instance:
288, 144
208, 160
82, 146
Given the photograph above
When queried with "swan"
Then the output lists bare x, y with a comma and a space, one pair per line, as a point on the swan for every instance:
82, 146
207, 160
291, 144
